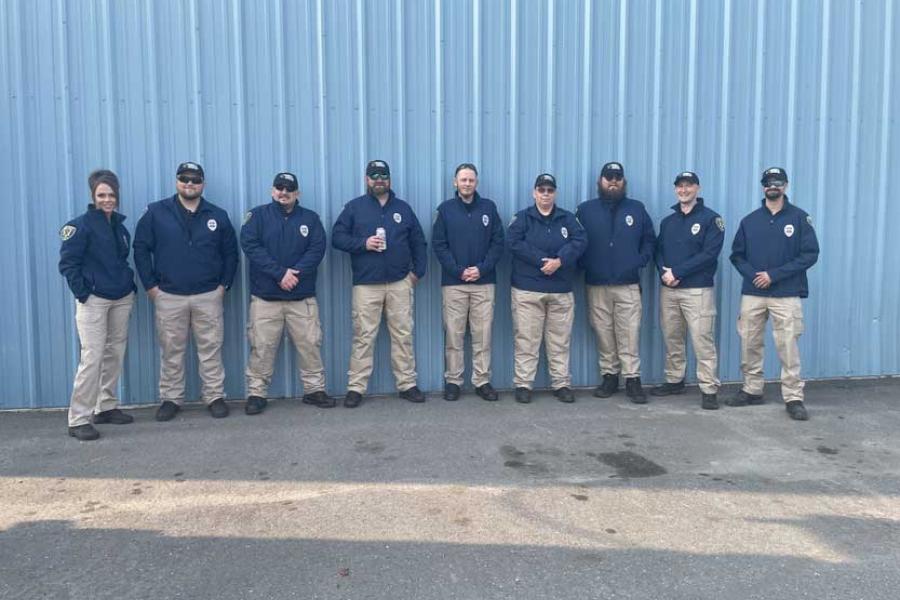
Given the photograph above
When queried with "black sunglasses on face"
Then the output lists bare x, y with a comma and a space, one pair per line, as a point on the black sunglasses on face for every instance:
284, 188
379, 177
190, 179
775, 183
613, 177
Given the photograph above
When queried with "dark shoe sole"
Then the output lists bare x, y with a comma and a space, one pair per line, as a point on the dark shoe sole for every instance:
168, 416
87, 437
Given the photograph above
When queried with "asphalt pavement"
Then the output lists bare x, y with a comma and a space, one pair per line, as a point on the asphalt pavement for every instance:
462, 500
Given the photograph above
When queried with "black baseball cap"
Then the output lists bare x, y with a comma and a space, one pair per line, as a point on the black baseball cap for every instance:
378, 167
288, 180
689, 175
612, 168
773, 173
191, 167
545, 179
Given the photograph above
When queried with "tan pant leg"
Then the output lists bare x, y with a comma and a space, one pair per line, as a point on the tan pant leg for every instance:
399, 310
455, 309
92, 324
208, 327
114, 353
700, 312
557, 338
600, 312
306, 332
368, 303
264, 331
674, 327
173, 320
481, 321
528, 315
787, 326
751, 326
627, 317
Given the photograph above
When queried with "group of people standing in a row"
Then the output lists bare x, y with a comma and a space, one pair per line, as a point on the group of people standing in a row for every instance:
185, 252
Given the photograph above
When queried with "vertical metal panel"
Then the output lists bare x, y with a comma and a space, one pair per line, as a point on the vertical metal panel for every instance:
248, 89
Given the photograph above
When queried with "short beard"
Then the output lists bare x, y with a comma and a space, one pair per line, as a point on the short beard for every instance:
776, 194
371, 190
612, 196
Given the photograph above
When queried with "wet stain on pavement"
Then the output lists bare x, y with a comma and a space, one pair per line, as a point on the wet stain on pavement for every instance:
516, 459
826, 450
630, 465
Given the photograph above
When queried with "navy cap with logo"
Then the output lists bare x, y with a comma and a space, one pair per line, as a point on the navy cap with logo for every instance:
190, 167
687, 176
612, 169
287, 180
378, 167
773, 174
545, 180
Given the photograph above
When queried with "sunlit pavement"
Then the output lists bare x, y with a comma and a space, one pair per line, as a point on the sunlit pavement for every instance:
470, 499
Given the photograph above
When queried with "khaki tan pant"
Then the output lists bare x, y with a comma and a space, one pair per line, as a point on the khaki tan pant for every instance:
690, 310
103, 332
549, 316
176, 316
267, 322
472, 304
615, 315
395, 300
787, 326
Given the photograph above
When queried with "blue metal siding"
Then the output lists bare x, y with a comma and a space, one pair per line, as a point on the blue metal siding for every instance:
724, 88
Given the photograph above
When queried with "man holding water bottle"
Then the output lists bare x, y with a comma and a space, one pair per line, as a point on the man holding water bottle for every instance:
387, 257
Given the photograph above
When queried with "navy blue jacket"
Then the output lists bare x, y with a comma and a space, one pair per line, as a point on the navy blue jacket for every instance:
784, 245
467, 235
406, 249
275, 240
533, 237
94, 256
620, 241
185, 255
690, 244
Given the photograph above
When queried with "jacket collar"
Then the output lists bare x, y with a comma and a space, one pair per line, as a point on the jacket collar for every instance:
697, 207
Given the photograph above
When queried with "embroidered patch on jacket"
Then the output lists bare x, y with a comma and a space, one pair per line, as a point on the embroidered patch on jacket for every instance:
304, 230
695, 228
67, 232
720, 223
629, 220
247, 217
485, 219
789, 230
397, 218
212, 225
564, 232
809, 220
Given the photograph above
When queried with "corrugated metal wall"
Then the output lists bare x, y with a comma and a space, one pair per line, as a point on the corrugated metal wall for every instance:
723, 87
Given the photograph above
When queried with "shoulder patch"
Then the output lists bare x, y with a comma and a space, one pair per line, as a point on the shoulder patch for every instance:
247, 217
809, 220
67, 232
513, 220
720, 223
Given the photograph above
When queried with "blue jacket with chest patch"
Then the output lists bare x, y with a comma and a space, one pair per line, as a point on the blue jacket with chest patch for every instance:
94, 256
406, 248
467, 235
275, 240
690, 244
784, 245
184, 254
621, 241
533, 237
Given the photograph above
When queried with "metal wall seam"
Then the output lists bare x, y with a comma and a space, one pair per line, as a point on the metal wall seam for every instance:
657, 94
112, 149
727, 335
824, 108
853, 164
586, 82
195, 73
513, 104
689, 158
621, 80
549, 88
792, 86
153, 85
883, 171
439, 102
361, 83
401, 97
477, 141
758, 86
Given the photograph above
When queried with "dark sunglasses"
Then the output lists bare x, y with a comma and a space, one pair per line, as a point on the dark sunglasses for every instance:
379, 177
285, 188
775, 183
613, 177
190, 179
546, 190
